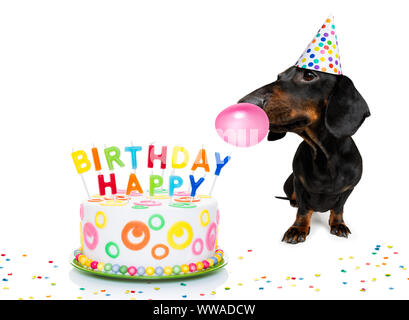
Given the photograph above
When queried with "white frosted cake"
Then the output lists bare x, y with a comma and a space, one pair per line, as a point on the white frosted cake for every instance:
149, 236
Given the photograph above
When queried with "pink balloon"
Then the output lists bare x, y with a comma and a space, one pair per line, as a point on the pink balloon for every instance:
242, 125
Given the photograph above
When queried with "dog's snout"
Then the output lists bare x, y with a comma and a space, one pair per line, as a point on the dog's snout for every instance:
258, 101
259, 97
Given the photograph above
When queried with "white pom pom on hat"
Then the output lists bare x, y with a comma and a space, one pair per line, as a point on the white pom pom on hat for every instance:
322, 53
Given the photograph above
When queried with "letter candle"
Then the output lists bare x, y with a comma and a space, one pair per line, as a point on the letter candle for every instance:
133, 150
112, 154
162, 157
176, 165
80, 159
95, 156
133, 182
200, 161
195, 186
219, 165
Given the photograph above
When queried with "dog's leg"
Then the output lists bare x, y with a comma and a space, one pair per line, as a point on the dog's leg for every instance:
299, 231
336, 218
289, 190
337, 224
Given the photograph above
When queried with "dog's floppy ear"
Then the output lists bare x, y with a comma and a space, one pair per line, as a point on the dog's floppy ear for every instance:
346, 109
272, 136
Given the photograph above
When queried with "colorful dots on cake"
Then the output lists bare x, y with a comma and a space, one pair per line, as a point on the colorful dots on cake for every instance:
153, 222
115, 268
204, 218
123, 269
183, 205
90, 232
150, 271
141, 271
161, 197
187, 199
159, 271
176, 269
137, 206
81, 211
149, 203
88, 262
159, 191
210, 262
205, 264
219, 257
178, 230
181, 193
114, 203
211, 236
168, 270
200, 266
110, 252
100, 266
82, 259
135, 194
197, 246
98, 216
122, 197
163, 248
138, 229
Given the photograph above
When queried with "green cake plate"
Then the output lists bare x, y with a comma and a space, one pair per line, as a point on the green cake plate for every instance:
96, 272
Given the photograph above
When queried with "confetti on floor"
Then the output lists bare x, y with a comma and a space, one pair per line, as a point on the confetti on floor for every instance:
380, 268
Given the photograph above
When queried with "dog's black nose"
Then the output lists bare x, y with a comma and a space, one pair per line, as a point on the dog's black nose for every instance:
258, 101
259, 97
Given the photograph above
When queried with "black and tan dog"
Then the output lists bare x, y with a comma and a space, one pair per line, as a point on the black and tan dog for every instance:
325, 110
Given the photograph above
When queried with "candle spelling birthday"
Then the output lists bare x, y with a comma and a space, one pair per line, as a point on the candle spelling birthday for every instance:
179, 160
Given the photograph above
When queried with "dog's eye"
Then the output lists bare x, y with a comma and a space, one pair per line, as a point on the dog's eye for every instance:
308, 76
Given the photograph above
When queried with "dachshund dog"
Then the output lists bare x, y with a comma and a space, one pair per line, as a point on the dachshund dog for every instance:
325, 110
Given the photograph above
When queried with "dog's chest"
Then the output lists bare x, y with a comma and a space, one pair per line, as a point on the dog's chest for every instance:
320, 175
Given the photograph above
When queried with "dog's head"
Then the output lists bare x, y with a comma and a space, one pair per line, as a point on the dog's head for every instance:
302, 98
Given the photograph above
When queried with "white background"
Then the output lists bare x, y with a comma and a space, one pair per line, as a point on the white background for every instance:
74, 73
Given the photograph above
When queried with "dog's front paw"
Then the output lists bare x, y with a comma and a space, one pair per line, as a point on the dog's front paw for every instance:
340, 230
296, 234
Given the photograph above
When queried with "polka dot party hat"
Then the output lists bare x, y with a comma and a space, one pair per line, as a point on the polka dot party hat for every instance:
322, 53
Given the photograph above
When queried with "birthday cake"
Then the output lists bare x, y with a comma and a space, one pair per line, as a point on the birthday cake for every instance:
141, 236
154, 233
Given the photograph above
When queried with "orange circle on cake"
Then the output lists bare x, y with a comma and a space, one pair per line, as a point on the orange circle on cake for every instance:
187, 199
162, 246
138, 229
95, 200
122, 197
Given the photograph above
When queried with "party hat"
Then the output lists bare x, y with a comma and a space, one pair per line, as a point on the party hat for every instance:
322, 53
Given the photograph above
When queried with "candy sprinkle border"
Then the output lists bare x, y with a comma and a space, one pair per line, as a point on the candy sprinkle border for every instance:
84, 263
